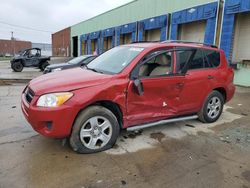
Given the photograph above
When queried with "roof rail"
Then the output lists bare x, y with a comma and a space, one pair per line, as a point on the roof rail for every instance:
189, 42
143, 42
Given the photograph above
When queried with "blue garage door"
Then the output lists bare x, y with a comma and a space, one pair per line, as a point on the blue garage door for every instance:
198, 14
107, 39
153, 29
232, 9
84, 44
94, 41
126, 34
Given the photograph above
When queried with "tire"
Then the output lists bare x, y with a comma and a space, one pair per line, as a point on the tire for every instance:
212, 107
43, 65
17, 66
95, 129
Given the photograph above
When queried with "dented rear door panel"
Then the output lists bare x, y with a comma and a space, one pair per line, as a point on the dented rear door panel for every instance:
159, 101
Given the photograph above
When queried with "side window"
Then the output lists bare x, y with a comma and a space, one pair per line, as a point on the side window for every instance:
206, 62
213, 57
182, 57
33, 52
157, 65
197, 62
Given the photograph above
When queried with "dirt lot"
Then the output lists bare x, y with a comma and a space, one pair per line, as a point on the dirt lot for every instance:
185, 154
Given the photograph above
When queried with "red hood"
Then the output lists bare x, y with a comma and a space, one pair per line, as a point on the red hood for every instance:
67, 80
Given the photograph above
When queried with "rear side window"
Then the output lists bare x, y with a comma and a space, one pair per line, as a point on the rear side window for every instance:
197, 62
212, 57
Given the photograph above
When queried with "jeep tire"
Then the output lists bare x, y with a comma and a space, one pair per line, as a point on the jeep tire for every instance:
212, 107
43, 65
17, 66
95, 129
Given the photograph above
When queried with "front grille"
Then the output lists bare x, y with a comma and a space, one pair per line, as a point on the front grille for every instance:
29, 94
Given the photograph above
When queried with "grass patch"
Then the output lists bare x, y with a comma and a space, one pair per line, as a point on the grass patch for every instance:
5, 58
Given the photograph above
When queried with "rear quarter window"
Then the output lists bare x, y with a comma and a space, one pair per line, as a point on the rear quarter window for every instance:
213, 57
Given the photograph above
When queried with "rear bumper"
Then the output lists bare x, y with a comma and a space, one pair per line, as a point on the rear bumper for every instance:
230, 92
50, 122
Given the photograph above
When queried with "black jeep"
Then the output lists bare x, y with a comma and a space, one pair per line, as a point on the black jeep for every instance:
29, 58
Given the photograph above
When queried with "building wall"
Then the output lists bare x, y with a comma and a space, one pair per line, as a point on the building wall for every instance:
11, 47
235, 29
129, 13
61, 43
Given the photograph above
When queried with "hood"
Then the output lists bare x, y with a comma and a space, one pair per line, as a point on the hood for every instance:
67, 80
16, 57
60, 65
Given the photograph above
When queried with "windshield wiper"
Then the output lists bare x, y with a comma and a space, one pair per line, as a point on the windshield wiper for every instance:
94, 70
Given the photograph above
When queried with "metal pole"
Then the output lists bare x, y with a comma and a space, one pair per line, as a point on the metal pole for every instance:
13, 43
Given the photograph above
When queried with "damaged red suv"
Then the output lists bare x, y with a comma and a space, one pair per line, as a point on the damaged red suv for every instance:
129, 87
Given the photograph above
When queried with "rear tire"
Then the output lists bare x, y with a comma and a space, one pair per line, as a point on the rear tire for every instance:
212, 107
95, 129
43, 65
17, 66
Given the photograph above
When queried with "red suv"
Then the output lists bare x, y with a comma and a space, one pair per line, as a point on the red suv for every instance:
129, 87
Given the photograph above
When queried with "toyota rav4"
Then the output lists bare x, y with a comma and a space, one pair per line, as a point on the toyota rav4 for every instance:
129, 87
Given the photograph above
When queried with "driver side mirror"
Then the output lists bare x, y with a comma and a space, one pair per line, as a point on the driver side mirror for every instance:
138, 87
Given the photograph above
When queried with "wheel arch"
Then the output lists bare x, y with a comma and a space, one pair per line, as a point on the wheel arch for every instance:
223, 91
20, 60
110, 105
114, 108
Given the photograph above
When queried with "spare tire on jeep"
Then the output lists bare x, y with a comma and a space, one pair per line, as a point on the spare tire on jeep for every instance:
17, 66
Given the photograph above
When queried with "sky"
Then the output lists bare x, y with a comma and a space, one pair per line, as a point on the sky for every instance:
36, 20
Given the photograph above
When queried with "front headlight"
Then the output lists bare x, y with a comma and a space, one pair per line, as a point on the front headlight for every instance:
57, 69
53, 99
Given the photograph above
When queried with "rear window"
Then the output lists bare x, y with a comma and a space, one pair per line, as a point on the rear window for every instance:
213, 57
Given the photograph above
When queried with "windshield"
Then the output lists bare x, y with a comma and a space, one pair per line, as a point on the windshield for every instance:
114, 60
77, 60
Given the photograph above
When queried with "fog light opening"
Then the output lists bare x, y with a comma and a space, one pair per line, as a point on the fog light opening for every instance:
49, 125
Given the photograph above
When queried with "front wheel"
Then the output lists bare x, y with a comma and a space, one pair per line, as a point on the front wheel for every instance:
96, 129
212, 107
17, 66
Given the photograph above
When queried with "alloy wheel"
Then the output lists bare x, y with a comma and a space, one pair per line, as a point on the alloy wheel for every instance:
213, 107
96, 132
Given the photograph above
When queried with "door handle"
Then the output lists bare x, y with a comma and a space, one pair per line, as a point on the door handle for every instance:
210, 77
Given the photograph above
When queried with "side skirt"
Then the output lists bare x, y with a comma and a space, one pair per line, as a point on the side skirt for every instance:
143, 126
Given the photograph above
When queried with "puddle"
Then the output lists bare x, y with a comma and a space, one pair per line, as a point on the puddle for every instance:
158, 136
149, 138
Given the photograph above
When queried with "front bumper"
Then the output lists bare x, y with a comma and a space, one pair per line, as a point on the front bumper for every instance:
50, 122
46, 70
